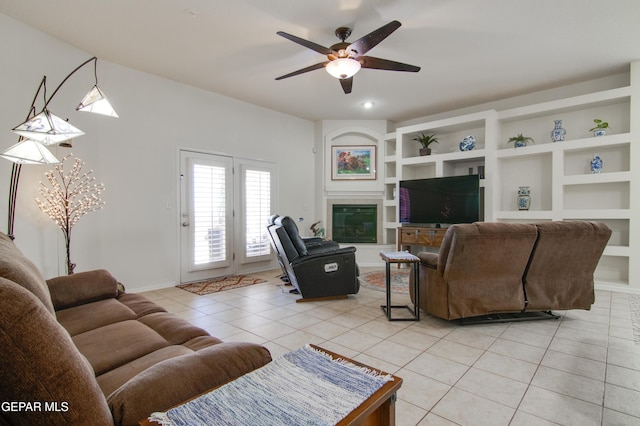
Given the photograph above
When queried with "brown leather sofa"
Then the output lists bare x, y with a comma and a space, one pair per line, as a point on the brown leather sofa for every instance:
77, 350
489, 268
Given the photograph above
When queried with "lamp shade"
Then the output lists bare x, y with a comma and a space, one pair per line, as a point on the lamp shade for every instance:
29, 151
48, 129
343, 67
95, 101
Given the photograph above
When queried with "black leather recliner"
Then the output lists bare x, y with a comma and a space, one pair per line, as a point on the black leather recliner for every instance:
312, 243
316, 268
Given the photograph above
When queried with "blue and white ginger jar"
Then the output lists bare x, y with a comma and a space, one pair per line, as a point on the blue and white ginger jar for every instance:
524, 198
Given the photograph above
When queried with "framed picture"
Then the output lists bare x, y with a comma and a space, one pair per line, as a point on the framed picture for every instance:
353, 162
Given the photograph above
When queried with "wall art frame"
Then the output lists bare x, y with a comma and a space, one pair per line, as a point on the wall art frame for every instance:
349, 162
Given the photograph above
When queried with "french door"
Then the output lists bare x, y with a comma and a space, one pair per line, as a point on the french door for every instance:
225, 203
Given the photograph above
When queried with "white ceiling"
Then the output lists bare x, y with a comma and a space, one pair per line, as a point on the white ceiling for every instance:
470, 51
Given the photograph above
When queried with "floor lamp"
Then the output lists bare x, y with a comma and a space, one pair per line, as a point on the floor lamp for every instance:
45, 129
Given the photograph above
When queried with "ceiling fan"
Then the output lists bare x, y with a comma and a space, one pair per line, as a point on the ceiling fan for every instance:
346, 59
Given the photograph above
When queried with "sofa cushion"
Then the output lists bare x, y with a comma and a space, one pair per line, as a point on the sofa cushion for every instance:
113, 379
15, 267
80, 319
173, 329
116, 344
32, 369
139, 304
201, 342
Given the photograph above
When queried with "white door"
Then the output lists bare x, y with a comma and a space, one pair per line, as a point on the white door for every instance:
222, 213
206, 216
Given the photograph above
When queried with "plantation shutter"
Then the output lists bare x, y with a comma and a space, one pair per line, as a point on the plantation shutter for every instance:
209, 213
257, 186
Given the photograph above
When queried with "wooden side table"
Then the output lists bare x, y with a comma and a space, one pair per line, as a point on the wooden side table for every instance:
400, 257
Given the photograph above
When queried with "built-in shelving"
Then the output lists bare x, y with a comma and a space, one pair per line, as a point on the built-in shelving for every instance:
558, 173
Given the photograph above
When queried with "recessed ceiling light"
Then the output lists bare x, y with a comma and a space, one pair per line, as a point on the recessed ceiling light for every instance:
368, 104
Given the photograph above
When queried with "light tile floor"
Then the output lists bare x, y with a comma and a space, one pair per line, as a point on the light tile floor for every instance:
583, 369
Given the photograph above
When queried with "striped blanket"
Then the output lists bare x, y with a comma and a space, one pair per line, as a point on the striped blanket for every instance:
302, 387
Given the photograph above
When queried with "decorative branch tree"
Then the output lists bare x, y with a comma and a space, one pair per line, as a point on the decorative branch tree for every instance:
70, 197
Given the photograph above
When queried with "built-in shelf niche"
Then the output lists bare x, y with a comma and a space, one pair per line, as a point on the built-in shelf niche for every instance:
615, 158
418, 171
597, 196
613, 270
534, 171
577, 115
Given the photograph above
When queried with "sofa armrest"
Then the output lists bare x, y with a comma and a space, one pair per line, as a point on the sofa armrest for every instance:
177, 380
429, 260
83, 287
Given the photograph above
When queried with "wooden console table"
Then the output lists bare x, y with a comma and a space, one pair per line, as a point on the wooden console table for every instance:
417, 236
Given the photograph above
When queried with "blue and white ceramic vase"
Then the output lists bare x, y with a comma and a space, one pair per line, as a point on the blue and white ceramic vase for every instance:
599, 132
596, 164
524, 198
468, 143
558, 133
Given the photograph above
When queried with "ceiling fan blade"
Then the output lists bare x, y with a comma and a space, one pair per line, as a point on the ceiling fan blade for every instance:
306, 43
347, 84
385, 64
303, 70
367, 42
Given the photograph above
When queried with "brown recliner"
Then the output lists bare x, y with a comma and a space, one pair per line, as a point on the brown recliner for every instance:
560, 273
477, 271
489, 268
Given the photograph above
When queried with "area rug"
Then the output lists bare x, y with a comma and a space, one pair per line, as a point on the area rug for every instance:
215, 285
634, 302
376, 280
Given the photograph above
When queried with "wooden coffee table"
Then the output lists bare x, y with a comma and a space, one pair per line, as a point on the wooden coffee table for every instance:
377, 410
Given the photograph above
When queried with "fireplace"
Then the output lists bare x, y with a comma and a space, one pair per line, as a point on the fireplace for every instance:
354, 223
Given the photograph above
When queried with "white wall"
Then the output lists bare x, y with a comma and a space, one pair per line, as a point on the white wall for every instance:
135, 156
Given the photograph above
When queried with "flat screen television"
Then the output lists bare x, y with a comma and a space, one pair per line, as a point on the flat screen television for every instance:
438, 201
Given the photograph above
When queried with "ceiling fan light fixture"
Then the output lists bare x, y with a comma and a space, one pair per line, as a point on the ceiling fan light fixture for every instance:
343, 67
